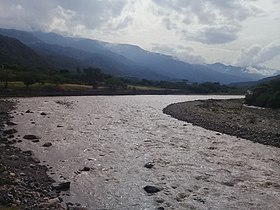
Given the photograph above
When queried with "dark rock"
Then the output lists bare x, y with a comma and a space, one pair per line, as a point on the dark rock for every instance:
11, 136
11, 123
63, 186
28, 111
86, 168
43, 113
149, 165
28, 153
160, 208
48, 144
10, 131
3, 139
151, 189
201, 200
14, 157
229, 184
30, 137
59, 126
76, 208
35, 140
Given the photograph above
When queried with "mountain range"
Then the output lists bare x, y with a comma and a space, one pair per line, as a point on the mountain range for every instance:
56, 51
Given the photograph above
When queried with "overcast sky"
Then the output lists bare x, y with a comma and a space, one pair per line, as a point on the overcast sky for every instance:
240, 32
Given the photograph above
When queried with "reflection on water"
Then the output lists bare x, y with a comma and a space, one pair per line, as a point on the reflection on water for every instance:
117, 135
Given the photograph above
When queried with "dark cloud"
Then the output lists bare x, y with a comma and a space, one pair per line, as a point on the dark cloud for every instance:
216, 21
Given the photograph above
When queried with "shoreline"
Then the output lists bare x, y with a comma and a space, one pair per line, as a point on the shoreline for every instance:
24, 179
232, 118
31, 93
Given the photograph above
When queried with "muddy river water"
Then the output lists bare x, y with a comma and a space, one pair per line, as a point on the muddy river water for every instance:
115, 136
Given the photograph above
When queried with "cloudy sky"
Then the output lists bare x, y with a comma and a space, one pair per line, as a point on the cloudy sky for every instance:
239, 32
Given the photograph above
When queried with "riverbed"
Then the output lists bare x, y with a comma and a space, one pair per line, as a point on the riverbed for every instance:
115, 136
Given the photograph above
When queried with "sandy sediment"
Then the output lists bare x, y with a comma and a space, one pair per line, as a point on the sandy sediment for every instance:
231, 117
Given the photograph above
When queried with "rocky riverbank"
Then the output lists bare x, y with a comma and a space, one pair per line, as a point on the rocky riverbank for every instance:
24, 183
231, 117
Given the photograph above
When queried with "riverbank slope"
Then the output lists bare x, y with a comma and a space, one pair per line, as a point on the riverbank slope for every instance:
24, 183
231, 117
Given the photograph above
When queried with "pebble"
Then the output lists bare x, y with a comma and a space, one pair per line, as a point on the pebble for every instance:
10, 131
30, 137
48, 144
86, 168
151, 189
35, 140
11, 123
149, 165
14, 157
63, 186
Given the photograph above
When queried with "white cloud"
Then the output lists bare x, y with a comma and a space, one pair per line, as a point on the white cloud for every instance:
257, 54
61, 15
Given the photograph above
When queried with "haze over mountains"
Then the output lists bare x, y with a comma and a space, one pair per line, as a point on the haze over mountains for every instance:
56, 51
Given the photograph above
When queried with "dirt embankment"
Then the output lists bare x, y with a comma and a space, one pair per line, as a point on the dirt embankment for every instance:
231, 117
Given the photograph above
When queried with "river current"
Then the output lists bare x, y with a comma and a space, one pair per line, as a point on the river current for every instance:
115, 136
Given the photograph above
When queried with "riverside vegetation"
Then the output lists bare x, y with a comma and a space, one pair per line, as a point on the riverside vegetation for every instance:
19, 80
266, 94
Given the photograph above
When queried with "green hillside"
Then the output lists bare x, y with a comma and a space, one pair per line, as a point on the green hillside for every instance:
13, 51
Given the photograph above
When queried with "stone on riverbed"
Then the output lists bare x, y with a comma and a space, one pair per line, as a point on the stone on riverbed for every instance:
63, 186
86, 168
149, 165
11, 123
151, 189
48, 144
31, 137
10, 131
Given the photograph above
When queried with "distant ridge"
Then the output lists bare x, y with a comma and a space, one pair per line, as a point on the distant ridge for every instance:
123, 59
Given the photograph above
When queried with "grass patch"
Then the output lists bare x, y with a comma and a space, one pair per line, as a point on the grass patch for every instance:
75, 87
141, 87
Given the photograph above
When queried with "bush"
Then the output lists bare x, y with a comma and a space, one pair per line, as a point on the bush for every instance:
265, 95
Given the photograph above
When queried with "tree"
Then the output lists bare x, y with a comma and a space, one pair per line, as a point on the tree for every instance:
114, 83
93, 76
29, 78
265, 95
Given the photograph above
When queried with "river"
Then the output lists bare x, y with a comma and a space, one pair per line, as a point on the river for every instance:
115, 136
